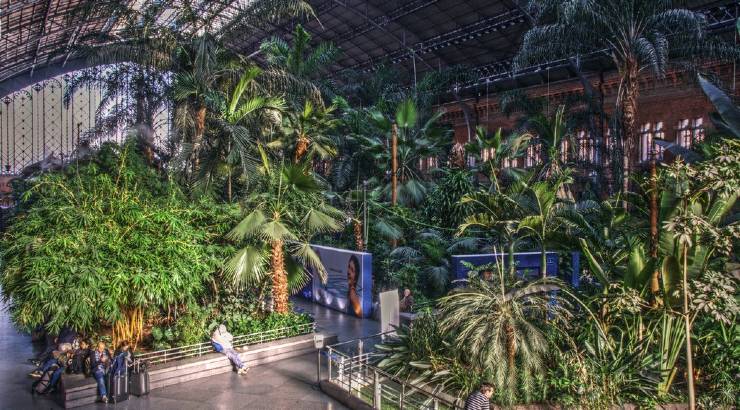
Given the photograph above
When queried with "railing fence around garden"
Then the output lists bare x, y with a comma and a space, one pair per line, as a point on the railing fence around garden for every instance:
350, 366
200, 349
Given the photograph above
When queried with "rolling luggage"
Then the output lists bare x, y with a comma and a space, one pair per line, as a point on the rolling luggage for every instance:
118, 386
140, 379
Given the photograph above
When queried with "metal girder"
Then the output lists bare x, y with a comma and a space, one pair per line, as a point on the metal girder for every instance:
719, 18
457, 36
41, 35
383, 20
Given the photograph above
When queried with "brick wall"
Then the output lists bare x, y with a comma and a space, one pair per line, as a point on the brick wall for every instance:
675, 98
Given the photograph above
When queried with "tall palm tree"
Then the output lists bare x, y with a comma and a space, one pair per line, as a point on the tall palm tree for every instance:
301, 63
286, 210
416, 141
636, 35
245, 112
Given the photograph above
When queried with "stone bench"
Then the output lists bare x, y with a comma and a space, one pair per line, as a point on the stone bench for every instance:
77, 390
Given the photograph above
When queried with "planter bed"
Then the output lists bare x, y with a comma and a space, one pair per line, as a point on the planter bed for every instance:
77, 390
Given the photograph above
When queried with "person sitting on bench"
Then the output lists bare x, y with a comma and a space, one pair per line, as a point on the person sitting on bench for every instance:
100, 362
122, 359
221, 340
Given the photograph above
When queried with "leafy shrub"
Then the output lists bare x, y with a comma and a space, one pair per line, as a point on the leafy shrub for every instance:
105, 242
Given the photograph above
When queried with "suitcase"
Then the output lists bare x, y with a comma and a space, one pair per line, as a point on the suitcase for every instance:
118, 387
139, 379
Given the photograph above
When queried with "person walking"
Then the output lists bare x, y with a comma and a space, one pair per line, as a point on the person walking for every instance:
480, 399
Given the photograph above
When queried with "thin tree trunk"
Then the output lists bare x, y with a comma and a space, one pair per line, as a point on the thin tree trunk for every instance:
687, 324
543, 260
129, 328
357, 228
279, 278
654, 278
229, 184
394, 172
301, 148
512, 264
200, 126
629, 117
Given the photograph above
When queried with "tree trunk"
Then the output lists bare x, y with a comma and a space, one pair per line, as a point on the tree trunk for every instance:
654, 278
229, 184
543, 260
129, 328
357, 229
279, 278
687, 324
301, 148
200, 126
628, 100
512, 262
510, 346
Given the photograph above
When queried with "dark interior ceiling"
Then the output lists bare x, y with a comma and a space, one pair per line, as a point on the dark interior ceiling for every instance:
38, 37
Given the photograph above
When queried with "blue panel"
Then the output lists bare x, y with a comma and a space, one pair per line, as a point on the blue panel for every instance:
527, 263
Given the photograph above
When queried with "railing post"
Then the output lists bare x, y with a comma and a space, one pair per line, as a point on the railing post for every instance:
377, 392
436, 404
350, 375
330, 361
318, 367
165, 356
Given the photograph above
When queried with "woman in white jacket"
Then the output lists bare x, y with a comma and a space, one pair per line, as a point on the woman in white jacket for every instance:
222, 340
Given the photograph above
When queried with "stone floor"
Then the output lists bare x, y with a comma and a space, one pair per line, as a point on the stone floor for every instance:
287, 384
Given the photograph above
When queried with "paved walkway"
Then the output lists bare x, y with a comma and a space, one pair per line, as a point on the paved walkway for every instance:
287, 384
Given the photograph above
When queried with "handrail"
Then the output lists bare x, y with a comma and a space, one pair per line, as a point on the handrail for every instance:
365, 374
199, 349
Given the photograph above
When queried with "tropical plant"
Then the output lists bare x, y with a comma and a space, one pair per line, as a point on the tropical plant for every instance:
302, 63
502, 153
307, 133
284, 211
431, 251
103, 243
636, 35
415, 143
499, 325
443, 206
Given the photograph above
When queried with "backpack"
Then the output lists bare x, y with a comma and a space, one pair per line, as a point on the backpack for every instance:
217, 347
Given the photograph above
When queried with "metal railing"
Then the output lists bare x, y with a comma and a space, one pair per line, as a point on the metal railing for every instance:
349, 365
199, 349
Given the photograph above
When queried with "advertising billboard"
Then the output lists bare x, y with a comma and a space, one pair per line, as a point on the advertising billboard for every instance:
349, 283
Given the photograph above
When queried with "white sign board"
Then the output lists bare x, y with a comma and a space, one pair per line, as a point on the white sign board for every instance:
389, 311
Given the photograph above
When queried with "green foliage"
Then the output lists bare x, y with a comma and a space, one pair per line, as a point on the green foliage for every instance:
442, 206
104, 237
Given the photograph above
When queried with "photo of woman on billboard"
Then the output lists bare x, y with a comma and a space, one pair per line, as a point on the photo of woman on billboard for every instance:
353, 272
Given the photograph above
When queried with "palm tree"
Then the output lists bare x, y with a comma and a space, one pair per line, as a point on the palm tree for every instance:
498, 325
636, 35
503, 151
303, 64
553, 135
415, 142
245, 112
286, 210
541, 213
307, 132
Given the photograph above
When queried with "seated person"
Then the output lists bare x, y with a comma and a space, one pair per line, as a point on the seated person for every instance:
62, 342
407, 301
123, 359
49, 361
100, 362
221, 340
79, 359
57, 365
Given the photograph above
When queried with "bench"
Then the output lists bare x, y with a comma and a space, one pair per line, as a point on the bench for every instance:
77, 390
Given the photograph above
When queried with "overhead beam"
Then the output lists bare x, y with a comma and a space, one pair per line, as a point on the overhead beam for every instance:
41, 35
453, 37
